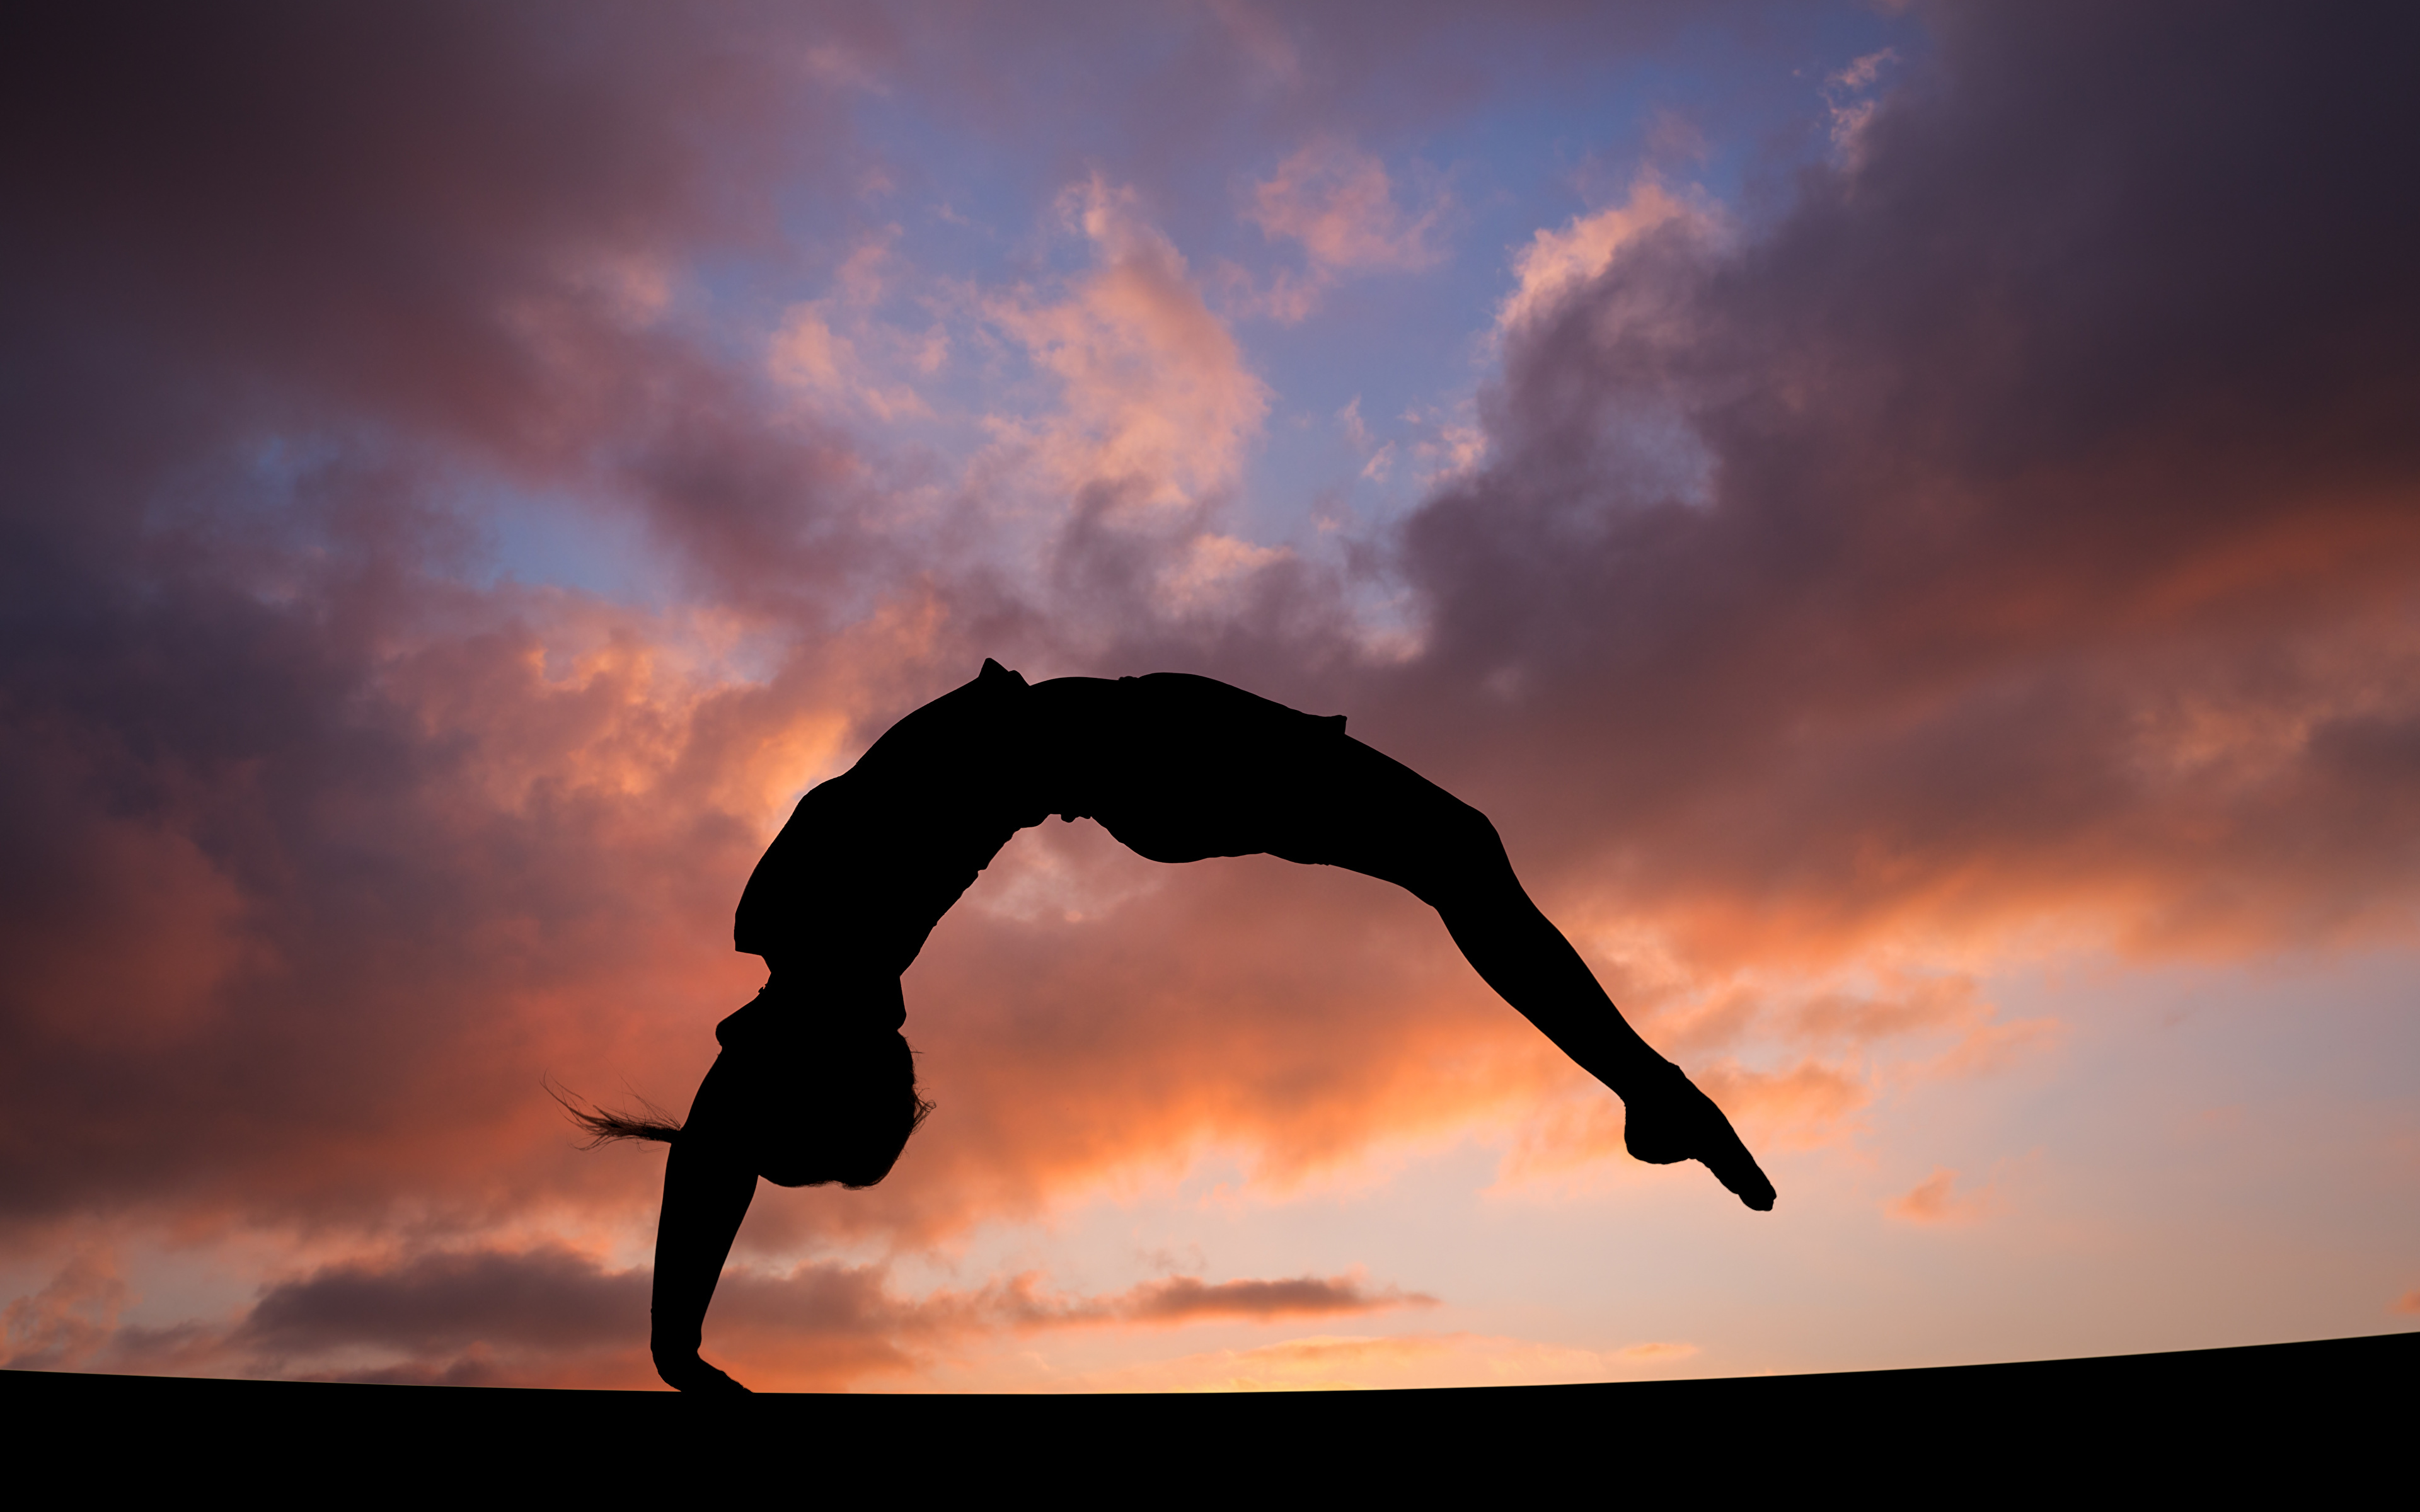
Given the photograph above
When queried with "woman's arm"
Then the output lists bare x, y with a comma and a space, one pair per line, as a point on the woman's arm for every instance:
708, 1183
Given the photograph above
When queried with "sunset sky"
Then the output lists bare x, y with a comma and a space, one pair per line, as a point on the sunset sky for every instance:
1907, 517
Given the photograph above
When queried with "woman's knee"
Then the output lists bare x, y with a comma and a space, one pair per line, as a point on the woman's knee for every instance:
1441, 850
1465, 856
1469, 835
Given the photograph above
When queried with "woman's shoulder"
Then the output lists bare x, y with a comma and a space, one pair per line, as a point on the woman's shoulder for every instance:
961, 722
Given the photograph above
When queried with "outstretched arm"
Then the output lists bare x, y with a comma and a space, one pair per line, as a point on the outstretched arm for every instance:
707, 1187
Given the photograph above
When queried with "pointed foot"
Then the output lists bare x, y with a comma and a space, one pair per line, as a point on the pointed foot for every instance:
1674, 1122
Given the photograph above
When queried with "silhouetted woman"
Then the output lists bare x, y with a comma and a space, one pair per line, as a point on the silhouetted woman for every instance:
815, 1083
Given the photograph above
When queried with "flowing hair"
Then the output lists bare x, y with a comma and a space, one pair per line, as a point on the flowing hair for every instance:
605, 1125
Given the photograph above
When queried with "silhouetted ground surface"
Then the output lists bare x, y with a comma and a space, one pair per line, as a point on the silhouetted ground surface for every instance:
2297, 1417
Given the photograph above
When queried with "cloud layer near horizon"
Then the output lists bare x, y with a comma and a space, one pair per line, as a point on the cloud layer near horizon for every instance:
2007, 529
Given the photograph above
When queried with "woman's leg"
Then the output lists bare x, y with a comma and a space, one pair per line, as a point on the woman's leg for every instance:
1364, 812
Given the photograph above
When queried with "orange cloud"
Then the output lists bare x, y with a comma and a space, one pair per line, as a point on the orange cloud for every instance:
1936, 1200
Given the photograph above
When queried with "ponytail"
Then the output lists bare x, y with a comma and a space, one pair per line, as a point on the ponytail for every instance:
605, 1125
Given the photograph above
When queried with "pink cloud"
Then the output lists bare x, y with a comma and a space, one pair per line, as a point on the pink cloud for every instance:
1155, 398
1338, 204
1557, 263
69, 1321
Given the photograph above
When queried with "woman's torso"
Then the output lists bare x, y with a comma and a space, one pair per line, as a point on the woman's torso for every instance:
1178, 768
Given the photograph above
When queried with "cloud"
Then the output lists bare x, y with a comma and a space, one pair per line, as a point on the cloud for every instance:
552, 1314
1349, 420
293, 800
1556, 263
1848, 93
1338, 204
1212, 566
1260, 35
69, 1320
1936, 1200
839, 351
268, 192
1953, 555
807, 353
1155, 400
1999, 541
1185, 1300
551, 1297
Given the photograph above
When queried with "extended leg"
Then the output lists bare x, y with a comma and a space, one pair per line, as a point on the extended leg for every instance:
1527, 961
1375, 816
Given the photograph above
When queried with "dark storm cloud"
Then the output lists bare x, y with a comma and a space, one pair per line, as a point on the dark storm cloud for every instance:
550, 1314
1185, 1299
358, 196
550, 1299
2022, 519
273, 277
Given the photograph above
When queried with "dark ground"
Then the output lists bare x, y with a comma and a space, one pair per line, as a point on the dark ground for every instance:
2326, 1419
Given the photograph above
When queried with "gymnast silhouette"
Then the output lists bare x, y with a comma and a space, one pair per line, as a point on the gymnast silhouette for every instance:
815, 1083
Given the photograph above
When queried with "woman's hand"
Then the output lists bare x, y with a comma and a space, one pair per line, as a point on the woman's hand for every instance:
684, 1370
707, 1187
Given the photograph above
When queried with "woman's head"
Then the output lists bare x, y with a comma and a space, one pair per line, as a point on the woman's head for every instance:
836, 1107
806, 1091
